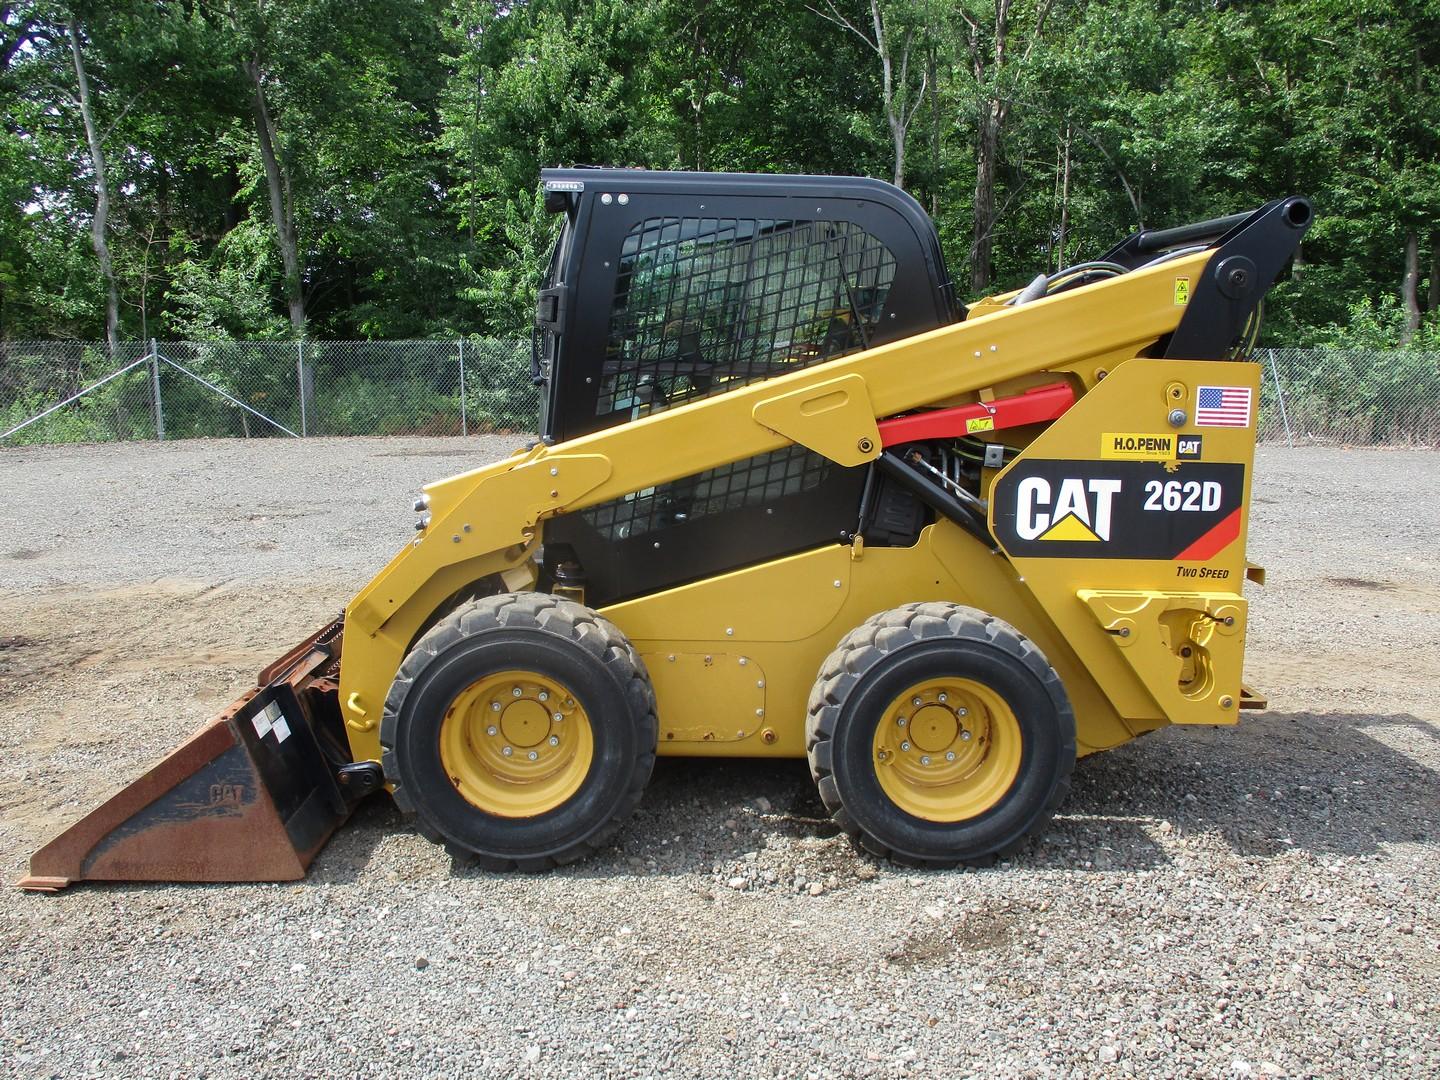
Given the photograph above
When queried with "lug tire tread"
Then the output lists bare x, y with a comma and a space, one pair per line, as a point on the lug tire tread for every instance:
873, 640
569, 621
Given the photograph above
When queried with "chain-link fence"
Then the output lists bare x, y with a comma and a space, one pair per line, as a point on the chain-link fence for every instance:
1350, 397
189, 389
66, 391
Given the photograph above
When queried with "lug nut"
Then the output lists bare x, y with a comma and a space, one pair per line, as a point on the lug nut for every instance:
494, 706
949, 755
900, 722
557, 717
962, 712
964, 736
914, 701
492, 730
944, 698
544, 695
532, 755
905, 746
507, 751
554, 740
515, 692
925, 759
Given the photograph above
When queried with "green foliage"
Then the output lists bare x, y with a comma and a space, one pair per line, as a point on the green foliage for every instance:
357, 405
227, 294
1371, 326
498, 393
504, 293
409, 134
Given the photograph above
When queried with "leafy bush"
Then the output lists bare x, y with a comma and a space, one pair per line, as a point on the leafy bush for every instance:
499, 395
356, 405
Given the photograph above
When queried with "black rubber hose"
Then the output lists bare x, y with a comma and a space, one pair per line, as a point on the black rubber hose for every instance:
935, 496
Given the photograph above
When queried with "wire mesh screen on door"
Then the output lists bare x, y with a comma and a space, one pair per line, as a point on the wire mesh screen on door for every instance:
703, 305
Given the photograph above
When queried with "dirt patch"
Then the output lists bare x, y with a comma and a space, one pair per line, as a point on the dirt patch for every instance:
25, 555
1360, 583
969, 932
106, 681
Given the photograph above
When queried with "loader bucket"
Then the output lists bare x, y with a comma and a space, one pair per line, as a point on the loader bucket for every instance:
252, 796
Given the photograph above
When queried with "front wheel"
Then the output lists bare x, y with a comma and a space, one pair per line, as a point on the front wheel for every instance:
939, 735
520, 731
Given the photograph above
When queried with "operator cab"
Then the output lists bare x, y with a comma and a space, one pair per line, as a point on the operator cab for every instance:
669, 287
665, 287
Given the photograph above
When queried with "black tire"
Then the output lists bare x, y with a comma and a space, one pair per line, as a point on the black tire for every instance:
859, 682
559, 639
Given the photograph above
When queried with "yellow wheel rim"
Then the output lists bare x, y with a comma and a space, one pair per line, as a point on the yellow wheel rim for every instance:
516, 744
947, 749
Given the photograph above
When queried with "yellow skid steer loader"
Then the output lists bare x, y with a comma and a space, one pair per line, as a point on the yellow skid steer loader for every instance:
791, 499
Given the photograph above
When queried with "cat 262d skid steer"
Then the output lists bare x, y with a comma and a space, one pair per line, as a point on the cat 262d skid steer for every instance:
791, 499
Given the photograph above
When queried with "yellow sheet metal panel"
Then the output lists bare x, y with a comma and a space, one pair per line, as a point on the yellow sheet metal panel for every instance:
801, 626
787, 599
714, 697
1187, 648
833, 418
1164, 518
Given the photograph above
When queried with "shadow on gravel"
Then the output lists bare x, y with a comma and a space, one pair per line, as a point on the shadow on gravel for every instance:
701, 813
1315, 782
1323, 783
343, 860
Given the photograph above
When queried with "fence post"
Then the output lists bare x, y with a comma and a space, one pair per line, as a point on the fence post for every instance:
1280, 396
155, 384
300, 384
464, 428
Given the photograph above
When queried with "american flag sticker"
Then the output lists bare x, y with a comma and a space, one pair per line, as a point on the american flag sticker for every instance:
1223, 406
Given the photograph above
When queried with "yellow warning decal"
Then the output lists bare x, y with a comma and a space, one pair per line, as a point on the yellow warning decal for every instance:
1182, 291
979, 423
1137, 446
1069, 527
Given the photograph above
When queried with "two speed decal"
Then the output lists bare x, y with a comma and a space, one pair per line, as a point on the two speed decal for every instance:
1118, 509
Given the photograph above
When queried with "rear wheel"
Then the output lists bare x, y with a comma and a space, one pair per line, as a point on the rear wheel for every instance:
939, 735
520, 731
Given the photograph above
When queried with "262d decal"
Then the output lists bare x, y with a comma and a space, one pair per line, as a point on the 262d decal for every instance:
1118, 509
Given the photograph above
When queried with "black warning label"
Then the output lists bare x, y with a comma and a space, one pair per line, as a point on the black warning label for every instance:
1118, 509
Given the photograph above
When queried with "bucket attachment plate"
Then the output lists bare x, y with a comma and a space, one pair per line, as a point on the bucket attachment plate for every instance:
250, 797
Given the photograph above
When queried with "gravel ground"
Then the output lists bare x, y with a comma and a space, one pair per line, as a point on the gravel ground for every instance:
1246, 901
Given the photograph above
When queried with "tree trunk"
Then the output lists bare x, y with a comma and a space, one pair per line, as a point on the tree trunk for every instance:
1410, 286
282, 207
894, 85
986, 147
897, 137
887, 89
933, 78
1434, 304
100, 223
1064, 230
697, 101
